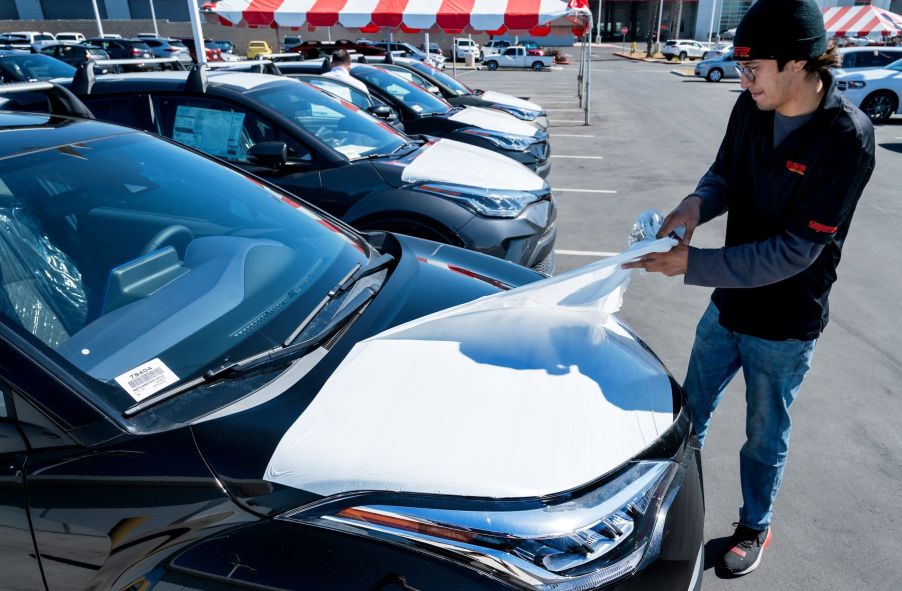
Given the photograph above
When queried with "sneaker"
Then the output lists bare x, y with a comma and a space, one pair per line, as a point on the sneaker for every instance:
746, 549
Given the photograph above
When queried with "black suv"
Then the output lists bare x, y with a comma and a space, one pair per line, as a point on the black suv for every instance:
121, 49
340, 158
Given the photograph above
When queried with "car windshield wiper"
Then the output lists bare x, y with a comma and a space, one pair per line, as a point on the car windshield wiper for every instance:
387, 154
289, 350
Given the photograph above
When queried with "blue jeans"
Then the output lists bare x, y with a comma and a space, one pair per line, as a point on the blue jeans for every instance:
773, 372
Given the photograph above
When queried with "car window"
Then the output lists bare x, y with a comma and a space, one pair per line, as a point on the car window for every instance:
412, 96
85, 280
352, 95
511, 51
455, 85
34, 67
216, 128
886, 57
129, 110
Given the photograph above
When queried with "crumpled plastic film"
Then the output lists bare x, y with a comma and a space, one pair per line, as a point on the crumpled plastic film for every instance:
523, 393
40, 287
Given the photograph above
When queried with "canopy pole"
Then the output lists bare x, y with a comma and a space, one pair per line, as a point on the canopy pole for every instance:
428, 50
453, 57
200, 50
588, 69
153, 16
97, 17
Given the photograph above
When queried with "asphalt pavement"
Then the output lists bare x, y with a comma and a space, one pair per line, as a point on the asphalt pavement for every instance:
653, 134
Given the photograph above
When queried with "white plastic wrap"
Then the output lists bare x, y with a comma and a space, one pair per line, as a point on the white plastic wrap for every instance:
524, 393
41, 288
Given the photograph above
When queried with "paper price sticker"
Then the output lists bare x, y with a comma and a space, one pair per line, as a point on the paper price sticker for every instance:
146, 379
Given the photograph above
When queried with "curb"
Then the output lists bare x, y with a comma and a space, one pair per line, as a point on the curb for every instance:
683, 73
640, 57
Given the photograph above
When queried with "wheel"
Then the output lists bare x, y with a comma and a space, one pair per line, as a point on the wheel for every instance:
879, 106
682, 56
714, 75
491, 65
177, 235
537, 66
669, 58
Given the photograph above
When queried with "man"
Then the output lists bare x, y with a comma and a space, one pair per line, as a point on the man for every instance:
341, 70
794, 161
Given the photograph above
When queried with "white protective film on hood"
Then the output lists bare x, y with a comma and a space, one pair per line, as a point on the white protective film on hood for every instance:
449, 161
507, 99
494, 120
518, 394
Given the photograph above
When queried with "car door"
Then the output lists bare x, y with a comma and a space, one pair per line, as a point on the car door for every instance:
509, 57
227, 130
18, 558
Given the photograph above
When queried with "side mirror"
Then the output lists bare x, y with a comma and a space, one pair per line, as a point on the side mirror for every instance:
381, 111
434, 89
272, 155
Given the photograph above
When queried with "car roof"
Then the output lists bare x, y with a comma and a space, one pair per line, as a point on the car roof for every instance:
175, 80
29, 132
889, 48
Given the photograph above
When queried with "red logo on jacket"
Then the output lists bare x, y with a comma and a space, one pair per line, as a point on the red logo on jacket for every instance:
822, 228
796, 167
739, 52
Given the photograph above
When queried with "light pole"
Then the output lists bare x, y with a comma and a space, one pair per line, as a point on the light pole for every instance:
153, 16
97, 16
660, 16
711, 26
598, 24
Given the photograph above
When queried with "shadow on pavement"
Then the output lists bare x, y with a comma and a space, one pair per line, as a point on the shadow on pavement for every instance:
893, 146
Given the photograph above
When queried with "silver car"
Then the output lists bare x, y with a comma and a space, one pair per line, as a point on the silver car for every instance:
716, 69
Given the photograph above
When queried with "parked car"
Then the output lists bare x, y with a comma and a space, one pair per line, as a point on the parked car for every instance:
16, 66
533, 48
211, 50
876, 91
424, 113
289, 42
120, 49
433, 48
342, 159
493, 47
75, 54
410, 51
716, 50
460, 95
683, 49
517, 56
166, 319
350, 93
718, 68
111, 36
256, 49
34, 38
71, 36
863, 58
462, 47
170, 48
225, 46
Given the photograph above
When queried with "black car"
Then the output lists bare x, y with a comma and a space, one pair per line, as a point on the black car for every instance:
16, 66
341, 159
424, 113
121, 49
75, 54
355, 96
166, 321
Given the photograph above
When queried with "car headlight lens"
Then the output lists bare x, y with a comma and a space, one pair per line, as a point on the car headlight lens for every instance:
496, 203
502, 140
571, 544
524, 114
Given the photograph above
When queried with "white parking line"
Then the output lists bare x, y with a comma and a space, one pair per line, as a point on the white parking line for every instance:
605, 191
560, 109
578, 157
580, 121
569, 135
586, 253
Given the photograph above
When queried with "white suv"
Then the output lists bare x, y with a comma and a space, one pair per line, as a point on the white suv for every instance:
464, 47
683, 48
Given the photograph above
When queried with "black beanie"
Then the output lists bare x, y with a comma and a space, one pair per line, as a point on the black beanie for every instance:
781, 30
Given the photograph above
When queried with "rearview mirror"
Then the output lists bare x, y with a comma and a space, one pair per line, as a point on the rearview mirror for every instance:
272, 155
381, 111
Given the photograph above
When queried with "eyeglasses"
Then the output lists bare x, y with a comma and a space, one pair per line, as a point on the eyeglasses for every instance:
747, 71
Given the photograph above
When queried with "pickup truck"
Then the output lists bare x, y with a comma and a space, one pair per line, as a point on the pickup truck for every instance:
518, 57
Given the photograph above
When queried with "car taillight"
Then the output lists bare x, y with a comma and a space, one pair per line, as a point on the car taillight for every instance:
171, 49
136, 51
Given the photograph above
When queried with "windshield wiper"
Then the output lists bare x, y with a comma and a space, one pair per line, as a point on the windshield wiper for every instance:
288, 350
387, 154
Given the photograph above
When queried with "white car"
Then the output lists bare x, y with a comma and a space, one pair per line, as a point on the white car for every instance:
863, 58
877, 92
70, 36
518, 56
683, 48
32, 38
494, 47
464, 47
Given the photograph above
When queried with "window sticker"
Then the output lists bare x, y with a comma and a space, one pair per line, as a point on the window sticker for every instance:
351, 151
209, 130
417, 108
146, 379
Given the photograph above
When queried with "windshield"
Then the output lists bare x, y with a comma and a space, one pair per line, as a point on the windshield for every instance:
407, 93
33, 67
335, 122
896, 65
128, 251
457, 87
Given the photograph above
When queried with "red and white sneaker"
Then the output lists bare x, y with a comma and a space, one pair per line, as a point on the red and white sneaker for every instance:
746, 549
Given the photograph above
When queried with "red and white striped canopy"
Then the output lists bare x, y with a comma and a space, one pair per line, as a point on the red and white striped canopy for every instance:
861, 21
453, 16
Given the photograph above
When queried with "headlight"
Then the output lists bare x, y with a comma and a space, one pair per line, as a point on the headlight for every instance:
524, 114
574, 543
502, 140
851, 84
496, 203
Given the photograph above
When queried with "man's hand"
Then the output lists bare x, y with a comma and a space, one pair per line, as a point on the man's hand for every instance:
670, 263
686, 214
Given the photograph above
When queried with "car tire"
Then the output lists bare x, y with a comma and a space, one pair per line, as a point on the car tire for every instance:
879, 106
537, 66
682, 56
714, 75
491, 65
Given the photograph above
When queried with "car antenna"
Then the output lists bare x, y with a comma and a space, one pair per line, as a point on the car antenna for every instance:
197, 79
361, 59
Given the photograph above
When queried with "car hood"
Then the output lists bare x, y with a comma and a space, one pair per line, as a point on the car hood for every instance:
449, 161
494, 120
506, 99
557, 394
864, 74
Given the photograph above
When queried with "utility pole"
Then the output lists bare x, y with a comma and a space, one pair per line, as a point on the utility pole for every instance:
97, 16
598, 24
679, 19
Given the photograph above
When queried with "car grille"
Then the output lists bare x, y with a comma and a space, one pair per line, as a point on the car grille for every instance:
546, 265
539, 150
840, 84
